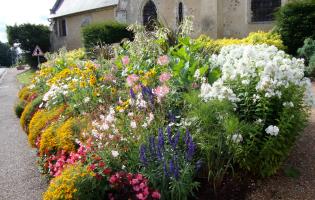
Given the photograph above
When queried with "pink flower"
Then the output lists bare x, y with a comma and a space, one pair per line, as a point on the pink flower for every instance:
131, 79
140, 196
165, 77
156, 195
136, 188
146, 191
113, 179
163, 60
125, 60
134, 181
161, 91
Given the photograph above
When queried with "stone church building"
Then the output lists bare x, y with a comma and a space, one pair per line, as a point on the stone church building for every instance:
216, 18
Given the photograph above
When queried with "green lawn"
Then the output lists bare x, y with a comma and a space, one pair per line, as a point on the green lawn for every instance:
25, 78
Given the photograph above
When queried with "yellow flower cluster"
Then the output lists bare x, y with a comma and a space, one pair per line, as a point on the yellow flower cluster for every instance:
148, 77
65, 134
24, 93
64, 186
57, 62
214, 46
40, 121
48, 139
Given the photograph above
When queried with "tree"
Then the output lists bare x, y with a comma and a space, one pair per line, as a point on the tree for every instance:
29, 35
7, 56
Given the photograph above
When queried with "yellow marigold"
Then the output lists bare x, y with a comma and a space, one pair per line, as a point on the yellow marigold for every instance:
90, 65
48, 139
92, 80
24, 93
64, 186
67, 133
40, 121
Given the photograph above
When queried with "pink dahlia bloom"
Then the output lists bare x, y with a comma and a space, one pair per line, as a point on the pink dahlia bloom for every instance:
125, 60
165, 77
131, 79
163, 60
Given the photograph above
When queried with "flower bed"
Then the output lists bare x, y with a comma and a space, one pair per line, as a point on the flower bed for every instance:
149, 123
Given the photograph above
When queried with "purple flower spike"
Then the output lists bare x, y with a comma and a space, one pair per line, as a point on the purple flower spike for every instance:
160, 144
132, 93
175, 140
143, 158
166, 173
152, 145
169, 134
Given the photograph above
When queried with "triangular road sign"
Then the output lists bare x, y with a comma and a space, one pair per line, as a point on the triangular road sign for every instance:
37, 51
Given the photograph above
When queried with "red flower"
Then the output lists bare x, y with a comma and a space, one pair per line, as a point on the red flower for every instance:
106, 171
101, 164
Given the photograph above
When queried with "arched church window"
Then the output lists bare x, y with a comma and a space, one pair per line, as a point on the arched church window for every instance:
149, 15
263, 10
180, 13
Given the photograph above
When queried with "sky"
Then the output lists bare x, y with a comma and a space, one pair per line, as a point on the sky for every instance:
23, 11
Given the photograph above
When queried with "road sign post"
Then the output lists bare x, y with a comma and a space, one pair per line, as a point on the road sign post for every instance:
38, 52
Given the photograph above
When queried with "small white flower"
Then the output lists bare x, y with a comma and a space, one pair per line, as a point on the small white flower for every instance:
245, 82
31, 87
272, 130
115, 153
133, 124
237, 138
87, 99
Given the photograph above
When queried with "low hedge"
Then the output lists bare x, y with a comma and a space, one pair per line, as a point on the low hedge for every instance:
106, 32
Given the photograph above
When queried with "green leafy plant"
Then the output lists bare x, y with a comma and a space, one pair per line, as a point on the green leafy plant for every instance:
19, 108
308, 52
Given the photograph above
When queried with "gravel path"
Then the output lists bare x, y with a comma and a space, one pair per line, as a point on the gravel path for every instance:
302, 159
19, 177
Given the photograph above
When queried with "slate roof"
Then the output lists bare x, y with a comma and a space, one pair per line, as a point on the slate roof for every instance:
68, 7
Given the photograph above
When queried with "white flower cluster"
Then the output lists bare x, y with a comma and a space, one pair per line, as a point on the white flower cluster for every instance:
217, 91
271, 67
272, 130
53, 92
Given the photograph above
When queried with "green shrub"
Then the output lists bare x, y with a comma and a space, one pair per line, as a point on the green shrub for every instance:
106, 32
308, 52
295, 22
19, 108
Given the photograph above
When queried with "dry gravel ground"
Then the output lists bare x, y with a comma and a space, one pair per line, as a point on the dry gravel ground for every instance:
302, 159
19, 177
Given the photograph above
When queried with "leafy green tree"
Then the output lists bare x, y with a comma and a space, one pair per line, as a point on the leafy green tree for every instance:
29, 35
7, 56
